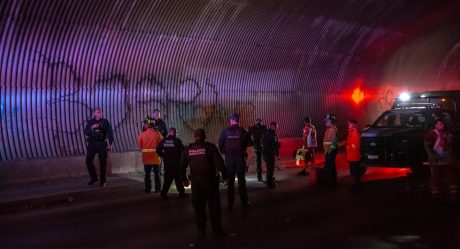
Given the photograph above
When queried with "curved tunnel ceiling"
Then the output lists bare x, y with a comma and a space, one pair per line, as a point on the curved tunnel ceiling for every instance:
198, 61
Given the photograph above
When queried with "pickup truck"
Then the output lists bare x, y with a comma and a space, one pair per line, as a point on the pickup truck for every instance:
396, 137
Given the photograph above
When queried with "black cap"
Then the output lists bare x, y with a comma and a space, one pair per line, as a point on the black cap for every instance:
235, 117
307, 119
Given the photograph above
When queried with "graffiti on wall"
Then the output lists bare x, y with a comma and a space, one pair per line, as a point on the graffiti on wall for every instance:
386, 101
56, 112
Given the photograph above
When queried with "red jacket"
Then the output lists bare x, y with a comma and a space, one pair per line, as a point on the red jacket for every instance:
353, 145
148, 142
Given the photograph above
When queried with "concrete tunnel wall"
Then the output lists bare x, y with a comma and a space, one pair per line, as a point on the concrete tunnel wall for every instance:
199, 61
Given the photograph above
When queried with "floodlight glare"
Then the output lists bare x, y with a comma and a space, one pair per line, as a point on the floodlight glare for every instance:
404, 96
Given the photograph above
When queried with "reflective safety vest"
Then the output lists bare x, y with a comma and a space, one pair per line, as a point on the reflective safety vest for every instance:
330, 140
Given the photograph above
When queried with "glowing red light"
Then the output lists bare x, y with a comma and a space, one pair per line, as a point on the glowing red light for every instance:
358, 95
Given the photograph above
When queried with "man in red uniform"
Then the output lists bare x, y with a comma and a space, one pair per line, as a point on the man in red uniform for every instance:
353, 153
148, 141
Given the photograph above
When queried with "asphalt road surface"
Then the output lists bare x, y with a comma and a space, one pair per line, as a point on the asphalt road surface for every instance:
391, 211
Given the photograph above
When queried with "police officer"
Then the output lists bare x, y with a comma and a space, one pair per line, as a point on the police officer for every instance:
256, 132
205, 162
269, 148
233, 142
97, 130
170, 149
330, 144
159, 125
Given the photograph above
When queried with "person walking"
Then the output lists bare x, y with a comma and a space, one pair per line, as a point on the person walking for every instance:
170, 149
205, 164
97, 131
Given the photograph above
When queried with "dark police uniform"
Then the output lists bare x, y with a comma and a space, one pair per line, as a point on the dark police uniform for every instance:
160, 126
170, 149
256, 132
233, 143
270, 147
96, 141
204, 160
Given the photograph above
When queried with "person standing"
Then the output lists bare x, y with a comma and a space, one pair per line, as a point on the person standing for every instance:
309, 142
170, 149
160, 124
97, 131
353, 153
269, 148
205, 164
256, 132
148, 141
438, 145
330, 144
233, 142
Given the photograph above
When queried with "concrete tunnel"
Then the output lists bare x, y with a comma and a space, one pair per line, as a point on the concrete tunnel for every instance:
199, 61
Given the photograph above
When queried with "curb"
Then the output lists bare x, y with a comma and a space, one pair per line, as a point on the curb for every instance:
69, 197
